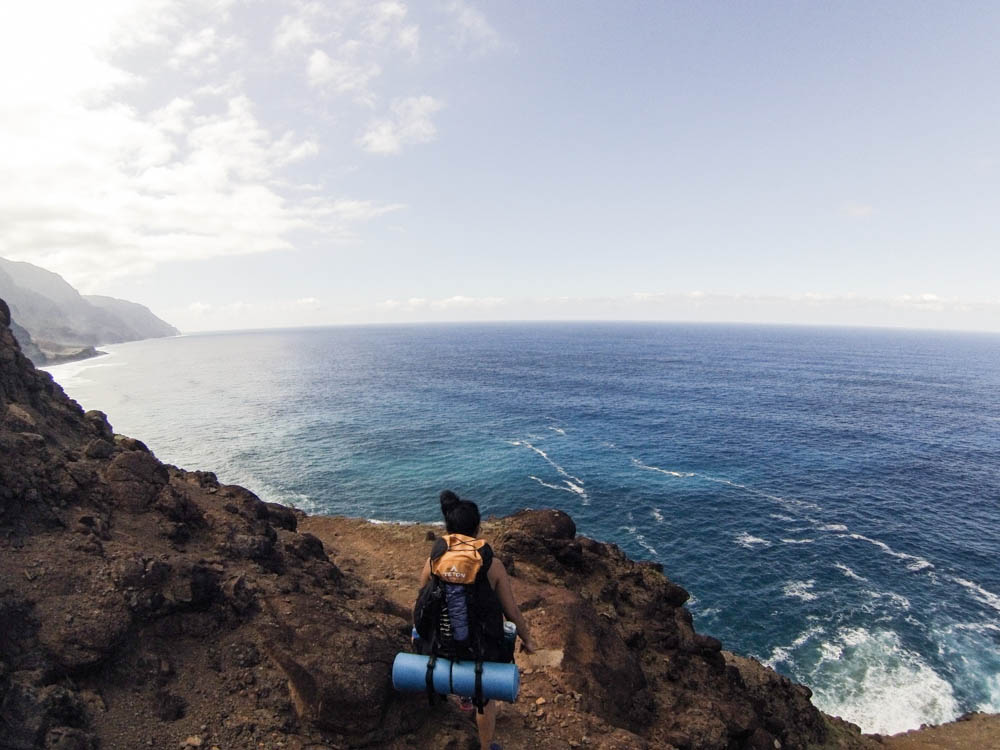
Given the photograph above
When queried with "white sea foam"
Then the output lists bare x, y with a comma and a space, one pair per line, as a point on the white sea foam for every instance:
783, 501
833, 527
914, 563
782, 517
641, 540
72, 373
798, 541
992, 704
979, 593
658, 515
800, 590
900, 601
978, 627
745, 539
550, 486
784, 653
848, 572
552, 463
639, 464
870, 679
559, 430
567, 486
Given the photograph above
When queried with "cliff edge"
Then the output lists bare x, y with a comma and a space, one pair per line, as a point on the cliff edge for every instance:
147, 606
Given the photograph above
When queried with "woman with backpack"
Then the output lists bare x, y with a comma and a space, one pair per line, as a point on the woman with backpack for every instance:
477, 595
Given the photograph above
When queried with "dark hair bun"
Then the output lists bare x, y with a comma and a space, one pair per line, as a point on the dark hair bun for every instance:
449, 500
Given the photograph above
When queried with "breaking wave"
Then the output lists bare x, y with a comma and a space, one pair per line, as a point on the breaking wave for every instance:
870, 679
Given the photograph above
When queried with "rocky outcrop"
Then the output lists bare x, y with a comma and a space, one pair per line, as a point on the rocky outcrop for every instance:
140, 602
630, 649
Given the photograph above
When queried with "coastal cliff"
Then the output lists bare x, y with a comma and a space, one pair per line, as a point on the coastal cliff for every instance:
54, 323
147, 606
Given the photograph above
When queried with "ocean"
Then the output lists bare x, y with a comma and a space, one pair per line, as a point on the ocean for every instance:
830, 497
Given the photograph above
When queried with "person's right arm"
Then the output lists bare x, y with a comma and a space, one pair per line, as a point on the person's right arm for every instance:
501, 584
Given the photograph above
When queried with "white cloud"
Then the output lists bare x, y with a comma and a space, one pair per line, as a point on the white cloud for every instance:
130, 136
299, 29
341, 75
409, 123
199, 49
96, 187
386, 23
470, 29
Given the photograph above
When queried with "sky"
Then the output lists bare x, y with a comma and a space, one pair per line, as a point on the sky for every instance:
256, 163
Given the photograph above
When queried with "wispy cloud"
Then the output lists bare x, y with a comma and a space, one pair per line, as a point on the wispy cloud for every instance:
341, 75
471, 29
409, 122
300, 28
201, 48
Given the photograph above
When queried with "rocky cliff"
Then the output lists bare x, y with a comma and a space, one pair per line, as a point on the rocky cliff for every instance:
57, 323
147, 606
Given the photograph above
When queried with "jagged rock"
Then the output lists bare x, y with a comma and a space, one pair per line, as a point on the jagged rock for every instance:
99, 448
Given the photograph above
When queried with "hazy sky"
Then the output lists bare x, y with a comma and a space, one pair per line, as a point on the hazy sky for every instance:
262, 163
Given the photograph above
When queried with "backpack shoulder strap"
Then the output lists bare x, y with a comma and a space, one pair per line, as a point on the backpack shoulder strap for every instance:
486, 553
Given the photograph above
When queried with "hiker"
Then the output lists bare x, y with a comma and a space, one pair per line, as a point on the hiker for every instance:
479, 635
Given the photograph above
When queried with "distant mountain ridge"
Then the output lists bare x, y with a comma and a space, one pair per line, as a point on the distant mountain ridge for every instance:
57, 323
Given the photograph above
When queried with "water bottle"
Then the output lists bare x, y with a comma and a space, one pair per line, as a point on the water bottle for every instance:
509, 636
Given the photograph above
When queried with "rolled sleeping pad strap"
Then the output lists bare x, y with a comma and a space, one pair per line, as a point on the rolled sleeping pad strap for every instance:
500, 681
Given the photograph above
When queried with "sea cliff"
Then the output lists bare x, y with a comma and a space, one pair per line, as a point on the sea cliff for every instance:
54, 323
147, 606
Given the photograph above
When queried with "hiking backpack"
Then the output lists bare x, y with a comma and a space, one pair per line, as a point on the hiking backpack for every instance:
458, 615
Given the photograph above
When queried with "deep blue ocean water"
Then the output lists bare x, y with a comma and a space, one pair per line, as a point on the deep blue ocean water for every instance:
829, 497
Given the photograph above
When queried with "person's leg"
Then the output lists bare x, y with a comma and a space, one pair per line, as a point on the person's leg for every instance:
487, 723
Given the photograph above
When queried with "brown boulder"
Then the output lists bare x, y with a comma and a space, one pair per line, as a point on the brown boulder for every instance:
81, 629
338, 668
135, 479
544, 524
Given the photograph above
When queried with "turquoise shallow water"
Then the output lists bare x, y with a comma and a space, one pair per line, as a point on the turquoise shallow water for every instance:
830, 497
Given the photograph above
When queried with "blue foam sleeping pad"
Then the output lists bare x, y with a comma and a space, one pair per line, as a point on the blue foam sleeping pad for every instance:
500, 681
